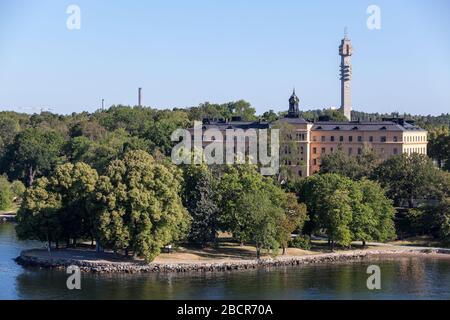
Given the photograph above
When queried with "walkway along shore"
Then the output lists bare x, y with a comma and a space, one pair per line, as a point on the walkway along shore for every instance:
7, 218
89, 261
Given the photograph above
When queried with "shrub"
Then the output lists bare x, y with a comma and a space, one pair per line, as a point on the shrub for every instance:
18, 189
301, 242
6, 195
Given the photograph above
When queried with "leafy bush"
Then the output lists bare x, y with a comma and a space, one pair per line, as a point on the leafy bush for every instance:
301, 242
18, 189
6, 195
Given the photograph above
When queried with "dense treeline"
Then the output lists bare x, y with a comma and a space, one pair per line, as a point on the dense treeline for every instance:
106, 177
417, 187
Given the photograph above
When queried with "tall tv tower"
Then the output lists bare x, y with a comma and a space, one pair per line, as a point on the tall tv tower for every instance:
346, 51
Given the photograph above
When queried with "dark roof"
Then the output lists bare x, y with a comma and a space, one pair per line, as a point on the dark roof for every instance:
294, 120
221, 125
318, 125
364, 126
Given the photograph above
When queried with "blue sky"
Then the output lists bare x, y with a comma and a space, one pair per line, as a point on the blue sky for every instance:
186, 52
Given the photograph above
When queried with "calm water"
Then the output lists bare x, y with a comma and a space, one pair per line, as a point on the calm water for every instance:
402, 278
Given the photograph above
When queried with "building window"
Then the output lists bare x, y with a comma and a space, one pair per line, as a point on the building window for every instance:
314, 150
314, 138
350, 139
371, 138
341, 138
322, 138
359, 138
395, 139
383, 139
323, 150
301, 150
314, 161
359, 151
300, 173
332, 138
395, 151
331, 149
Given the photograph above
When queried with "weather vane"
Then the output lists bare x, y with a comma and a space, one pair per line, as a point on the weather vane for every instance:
345, 32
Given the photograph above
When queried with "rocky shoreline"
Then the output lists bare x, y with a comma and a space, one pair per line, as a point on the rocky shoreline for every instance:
27, 258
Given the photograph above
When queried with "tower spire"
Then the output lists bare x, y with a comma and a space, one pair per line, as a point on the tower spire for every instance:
293, 105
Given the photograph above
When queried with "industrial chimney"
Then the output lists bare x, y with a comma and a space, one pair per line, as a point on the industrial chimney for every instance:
139, 97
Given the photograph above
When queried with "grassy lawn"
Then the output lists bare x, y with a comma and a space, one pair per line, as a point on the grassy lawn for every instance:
227, 251
11, 211
420, 241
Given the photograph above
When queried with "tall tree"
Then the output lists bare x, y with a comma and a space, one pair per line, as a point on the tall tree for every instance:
33, 152
373, 213
139, 205
58, 209
409, 178
6, 194
295, 215
38, 218
257, 220
200, 199
357, 167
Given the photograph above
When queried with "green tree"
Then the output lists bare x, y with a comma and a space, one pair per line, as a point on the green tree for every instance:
410, 178
33, 152
270, 116
443, 213
9, 127
74, 184
110, 147
38, 217
257, 220
320, 193
165, 123
235, 181
58, 208
373, 213
439, 145
199, 198
18, 189
6, 195
357, 167
295, 215
139, 205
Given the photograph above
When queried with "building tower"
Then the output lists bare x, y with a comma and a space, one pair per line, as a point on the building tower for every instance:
293, 106
346, 51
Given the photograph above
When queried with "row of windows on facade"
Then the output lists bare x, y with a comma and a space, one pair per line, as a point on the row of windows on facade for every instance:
358, 139
288, 150
315, 161
416, 150
301, 137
